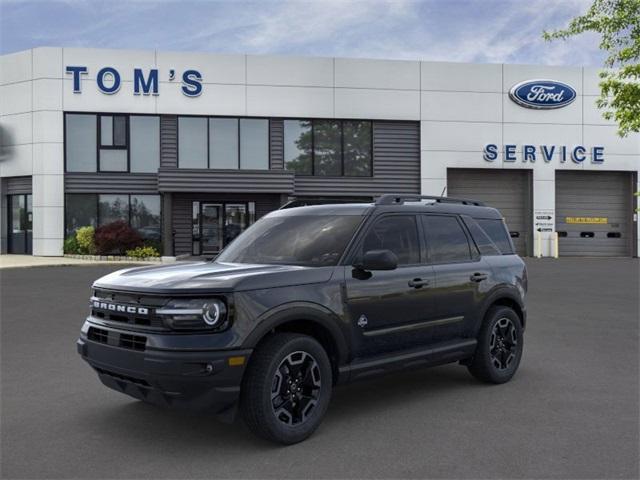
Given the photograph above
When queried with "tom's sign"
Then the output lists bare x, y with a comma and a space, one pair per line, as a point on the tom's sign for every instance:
542, 94
108, 80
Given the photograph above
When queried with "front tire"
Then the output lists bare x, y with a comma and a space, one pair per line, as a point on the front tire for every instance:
499, 349
286, 388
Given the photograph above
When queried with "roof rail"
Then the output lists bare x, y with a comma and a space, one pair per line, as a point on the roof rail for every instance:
399, 199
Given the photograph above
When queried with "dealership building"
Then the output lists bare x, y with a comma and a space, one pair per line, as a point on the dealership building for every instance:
191, 148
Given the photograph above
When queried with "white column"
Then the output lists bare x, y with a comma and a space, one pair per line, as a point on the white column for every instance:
544, 204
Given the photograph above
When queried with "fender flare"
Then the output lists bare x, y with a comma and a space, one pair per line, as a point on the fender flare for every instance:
296, 311
499, 294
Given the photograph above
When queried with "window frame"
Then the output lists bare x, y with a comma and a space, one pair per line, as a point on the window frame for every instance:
101, 147
313, 121
239, 130
98, 116
474, 255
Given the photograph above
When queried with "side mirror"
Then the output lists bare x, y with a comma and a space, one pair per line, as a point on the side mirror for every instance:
378, 260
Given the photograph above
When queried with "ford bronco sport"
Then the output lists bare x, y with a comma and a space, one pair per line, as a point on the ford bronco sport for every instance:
310, 297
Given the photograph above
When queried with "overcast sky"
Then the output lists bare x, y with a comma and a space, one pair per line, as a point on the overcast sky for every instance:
492, 31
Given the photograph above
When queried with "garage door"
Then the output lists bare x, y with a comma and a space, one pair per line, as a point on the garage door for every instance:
593, 213
506, 190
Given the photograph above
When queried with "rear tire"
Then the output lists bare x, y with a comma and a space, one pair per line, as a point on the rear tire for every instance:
499, 349
286, 388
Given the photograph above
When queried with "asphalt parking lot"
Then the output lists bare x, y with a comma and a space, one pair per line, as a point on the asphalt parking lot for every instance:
570, 412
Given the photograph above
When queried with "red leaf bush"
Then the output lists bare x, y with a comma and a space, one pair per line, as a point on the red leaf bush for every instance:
116, 238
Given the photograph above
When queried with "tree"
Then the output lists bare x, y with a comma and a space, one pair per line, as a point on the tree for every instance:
618, 23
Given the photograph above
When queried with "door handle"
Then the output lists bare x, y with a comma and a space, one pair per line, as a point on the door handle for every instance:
418, 283
478, 277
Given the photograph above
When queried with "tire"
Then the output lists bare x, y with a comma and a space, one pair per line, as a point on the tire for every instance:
500, 344
297, 370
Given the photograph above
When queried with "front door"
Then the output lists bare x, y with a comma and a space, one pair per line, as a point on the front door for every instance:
20, 221
391, 310
211, 228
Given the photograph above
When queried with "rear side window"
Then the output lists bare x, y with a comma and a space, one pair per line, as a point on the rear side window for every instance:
398, 233
446, 240
497, 232
482, 240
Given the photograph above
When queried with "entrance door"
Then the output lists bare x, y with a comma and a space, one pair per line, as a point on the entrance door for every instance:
211, 228
20, 221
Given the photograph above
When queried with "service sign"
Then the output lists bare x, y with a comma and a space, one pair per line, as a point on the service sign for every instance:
542, 94
544, 220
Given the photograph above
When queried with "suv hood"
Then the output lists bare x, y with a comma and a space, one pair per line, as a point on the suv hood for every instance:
210, 277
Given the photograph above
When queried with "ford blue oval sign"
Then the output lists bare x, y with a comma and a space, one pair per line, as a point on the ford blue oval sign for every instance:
542, 94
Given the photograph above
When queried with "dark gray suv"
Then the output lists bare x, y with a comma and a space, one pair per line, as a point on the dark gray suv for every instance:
309, 297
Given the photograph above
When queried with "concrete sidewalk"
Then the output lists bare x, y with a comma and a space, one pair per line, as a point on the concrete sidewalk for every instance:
23, 261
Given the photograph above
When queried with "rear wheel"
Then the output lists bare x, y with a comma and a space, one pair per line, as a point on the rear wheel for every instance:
499, 347
287, 388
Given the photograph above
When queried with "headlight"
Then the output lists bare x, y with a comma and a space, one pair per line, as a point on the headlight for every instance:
194, 314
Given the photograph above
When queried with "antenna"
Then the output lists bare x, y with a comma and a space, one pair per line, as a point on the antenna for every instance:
443, 190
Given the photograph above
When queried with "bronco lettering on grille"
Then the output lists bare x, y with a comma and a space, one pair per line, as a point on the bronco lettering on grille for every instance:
113, 307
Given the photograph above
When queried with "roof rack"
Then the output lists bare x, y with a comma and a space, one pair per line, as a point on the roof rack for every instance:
394, 199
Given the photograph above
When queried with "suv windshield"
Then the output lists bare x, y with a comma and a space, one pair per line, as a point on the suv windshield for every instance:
306, 240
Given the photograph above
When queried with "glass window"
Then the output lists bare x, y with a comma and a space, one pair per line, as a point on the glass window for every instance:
481, 239
357, 148
309, 240
120, 131
235, 221
327, 148
144, 143
446, 239
81, 210
80, 142
297, 146
254, 144
106, 130
223, 143
398, 233
192, 142
112, 208
195, 228
497, 231
113, 160
17, 213
145, 216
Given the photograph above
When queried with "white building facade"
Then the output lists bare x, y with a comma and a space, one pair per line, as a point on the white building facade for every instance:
191, 148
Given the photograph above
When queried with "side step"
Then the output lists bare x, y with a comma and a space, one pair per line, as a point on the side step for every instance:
438, 354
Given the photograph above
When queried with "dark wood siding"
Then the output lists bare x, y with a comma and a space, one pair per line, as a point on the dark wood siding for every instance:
276, 144
111, 183
396, 166
182, 213
225, 181
18, 185
168, 141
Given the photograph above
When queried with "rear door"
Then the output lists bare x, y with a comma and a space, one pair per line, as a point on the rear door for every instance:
461, 275
390, 309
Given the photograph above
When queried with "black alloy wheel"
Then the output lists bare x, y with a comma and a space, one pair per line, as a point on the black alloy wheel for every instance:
504, 343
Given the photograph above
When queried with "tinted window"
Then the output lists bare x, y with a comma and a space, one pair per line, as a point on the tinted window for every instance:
481, 239
254, 144
223, 143
497, 232
398, 234
314, 240
297, 146
192, 142
327, 148
145, 143
446, 239
113, 160
80, 142
357, 148
145, 216
112, 208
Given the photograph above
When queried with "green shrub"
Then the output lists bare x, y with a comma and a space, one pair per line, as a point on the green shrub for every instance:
85, 239
71, 245
143, 252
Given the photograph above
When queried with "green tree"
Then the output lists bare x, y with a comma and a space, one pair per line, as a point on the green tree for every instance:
618, 23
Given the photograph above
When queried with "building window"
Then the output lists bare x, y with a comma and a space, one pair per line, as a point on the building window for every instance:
141, 212
223, 143
297, 146
329, 147
192, 142
144, 149
254, 144
112, 143
80, 142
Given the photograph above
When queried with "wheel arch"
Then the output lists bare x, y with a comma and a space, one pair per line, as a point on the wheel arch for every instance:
506, 298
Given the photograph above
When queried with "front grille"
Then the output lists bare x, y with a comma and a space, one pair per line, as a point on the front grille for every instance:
126, 378
117, 339
135, 311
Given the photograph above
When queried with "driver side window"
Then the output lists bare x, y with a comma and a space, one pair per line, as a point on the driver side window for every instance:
398, 233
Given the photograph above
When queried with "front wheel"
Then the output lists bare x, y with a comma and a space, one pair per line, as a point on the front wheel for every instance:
287, 388
499, 349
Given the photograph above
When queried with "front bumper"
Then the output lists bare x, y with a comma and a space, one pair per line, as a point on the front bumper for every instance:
175, 378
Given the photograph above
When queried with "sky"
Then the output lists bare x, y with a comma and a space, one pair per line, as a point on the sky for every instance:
484, 31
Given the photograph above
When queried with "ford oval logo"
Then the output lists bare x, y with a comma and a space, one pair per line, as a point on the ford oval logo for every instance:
542, 94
